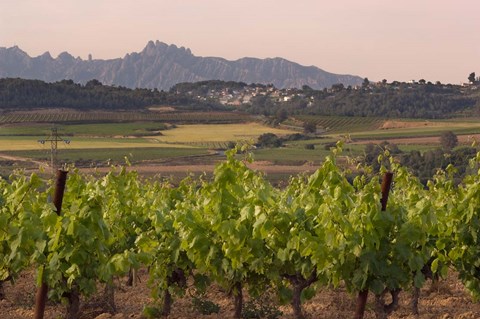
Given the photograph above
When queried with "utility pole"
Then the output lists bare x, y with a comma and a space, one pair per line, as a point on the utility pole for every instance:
54, 138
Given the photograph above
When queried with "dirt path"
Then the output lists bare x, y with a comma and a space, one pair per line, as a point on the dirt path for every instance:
21, 159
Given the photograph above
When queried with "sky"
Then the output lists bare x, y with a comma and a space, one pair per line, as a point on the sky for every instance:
396, 40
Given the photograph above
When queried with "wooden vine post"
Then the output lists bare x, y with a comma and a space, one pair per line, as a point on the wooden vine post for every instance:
386, 184
363, 295
41, 296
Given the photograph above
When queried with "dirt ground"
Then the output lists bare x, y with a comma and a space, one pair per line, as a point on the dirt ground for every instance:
447, 300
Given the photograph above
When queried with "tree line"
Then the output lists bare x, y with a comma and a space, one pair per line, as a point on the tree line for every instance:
16, 93
390, 100
426, 164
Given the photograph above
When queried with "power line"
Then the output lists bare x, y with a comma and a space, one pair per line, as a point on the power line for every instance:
54, 138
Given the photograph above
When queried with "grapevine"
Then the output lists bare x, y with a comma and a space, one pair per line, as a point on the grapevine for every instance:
241, 233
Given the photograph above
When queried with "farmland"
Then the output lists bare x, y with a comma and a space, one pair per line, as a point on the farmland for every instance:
178, 149
339, 124
195, 138
133, 135
70, 116
204, 134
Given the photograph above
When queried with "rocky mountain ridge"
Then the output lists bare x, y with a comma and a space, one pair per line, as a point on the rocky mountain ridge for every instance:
161, 66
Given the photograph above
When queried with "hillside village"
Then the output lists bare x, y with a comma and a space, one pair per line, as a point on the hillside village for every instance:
236, 96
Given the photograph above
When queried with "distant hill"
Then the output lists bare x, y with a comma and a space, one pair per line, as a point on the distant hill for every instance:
162, 66
394, 100
23, 94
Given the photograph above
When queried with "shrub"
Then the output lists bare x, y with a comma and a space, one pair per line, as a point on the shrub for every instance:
269, 140
309, 146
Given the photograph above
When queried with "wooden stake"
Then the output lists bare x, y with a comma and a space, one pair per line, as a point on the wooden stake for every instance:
363, 295
41, 296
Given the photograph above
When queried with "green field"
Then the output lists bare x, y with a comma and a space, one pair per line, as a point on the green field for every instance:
117, 155
290, 155
104, 129
16, 143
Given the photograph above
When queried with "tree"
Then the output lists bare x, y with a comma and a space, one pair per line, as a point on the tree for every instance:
309, 127
281, 115
306, 88
269, 140
365, 83
471, 77
338, 87
309, 146
93, 83
448, 140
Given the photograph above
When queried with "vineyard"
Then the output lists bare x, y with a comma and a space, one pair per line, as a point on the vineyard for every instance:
343, 124
239, 233
211, 145
97, 117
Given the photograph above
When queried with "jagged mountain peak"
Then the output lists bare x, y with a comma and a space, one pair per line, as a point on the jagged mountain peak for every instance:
46, 55
14, 50
65, 56
160, 65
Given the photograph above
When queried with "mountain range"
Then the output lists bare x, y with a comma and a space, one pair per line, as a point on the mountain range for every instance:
161, 66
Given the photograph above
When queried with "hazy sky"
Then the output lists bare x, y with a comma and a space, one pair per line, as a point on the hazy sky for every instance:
379, 39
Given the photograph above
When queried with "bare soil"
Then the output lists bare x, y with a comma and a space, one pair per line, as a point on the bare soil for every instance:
447, 300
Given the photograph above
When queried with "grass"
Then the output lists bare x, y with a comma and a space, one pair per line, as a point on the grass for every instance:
105, 129
117, 155
287, 155
114, 129
14, 143
200, 133
296, 154
417, 147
